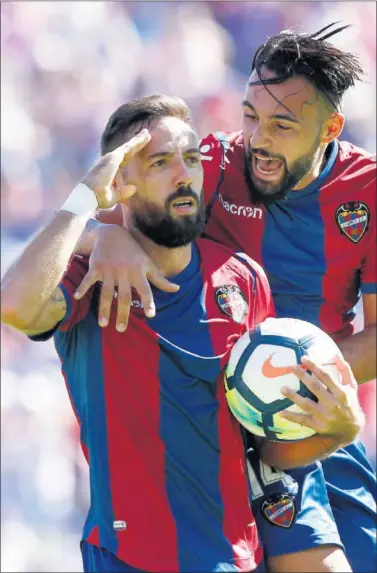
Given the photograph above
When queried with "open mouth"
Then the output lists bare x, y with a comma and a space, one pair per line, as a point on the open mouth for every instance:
266, 168
184, 206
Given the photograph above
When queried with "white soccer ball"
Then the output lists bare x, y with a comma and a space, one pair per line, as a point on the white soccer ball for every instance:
260, 364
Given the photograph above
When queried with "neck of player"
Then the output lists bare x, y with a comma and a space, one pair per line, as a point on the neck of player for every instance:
318, 165
169, 261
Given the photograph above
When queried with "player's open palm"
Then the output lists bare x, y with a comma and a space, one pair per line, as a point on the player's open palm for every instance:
337, 413
105, 179
117, 260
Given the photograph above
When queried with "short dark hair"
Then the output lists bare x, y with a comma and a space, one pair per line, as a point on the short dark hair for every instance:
330, 70
141, 111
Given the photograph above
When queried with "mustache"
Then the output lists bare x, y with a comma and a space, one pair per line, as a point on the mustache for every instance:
183, 191
264, 153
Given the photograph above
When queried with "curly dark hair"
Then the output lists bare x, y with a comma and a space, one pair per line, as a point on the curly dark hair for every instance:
330, 70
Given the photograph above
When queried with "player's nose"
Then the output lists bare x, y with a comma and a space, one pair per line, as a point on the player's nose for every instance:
260, 138
182, 176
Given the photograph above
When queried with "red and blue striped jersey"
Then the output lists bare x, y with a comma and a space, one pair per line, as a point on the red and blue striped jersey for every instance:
317, 246
167, 459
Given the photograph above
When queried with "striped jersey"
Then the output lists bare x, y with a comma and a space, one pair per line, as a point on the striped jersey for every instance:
167, 459
317, 246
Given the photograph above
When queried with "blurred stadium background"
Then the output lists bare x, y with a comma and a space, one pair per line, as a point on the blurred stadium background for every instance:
65, 66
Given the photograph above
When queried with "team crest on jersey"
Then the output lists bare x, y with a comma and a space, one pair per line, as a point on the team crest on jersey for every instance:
231, 301
353, 219
279, 509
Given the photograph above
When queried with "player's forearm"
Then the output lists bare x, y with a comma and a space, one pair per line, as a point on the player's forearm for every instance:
360, 351
28, 284
284, 456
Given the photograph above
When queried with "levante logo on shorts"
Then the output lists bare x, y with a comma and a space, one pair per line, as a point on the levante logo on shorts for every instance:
279, 509
353, 219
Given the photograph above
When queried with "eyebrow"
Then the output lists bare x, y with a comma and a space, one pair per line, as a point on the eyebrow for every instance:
170, 153
283, 116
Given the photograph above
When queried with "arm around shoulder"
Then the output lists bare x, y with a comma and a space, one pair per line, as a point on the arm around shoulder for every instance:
103, 217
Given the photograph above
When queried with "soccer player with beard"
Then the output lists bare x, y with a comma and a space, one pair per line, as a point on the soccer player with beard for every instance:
287, 192
303, 204
166, 457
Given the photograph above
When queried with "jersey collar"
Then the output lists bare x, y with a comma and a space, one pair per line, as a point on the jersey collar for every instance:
183, 279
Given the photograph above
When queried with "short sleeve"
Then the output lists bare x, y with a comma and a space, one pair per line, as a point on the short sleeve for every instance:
291, 508
76, 309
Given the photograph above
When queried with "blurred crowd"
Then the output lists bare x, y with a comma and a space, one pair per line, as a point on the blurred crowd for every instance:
65, 66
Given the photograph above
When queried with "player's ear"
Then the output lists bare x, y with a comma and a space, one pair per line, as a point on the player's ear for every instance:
333, 127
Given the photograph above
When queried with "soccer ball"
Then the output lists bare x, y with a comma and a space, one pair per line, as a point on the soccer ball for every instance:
260, 364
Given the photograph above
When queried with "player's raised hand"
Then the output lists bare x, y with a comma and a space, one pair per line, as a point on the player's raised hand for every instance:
337, 413
101, 178
117, 260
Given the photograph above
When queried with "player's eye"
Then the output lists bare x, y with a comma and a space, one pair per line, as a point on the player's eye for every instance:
158, 163
283, 127
193, 159
250, 117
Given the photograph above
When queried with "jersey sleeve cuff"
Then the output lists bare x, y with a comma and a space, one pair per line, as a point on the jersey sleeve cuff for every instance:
64, 324
368, 288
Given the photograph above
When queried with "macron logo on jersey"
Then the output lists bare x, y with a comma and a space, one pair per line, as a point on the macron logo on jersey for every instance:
241, 210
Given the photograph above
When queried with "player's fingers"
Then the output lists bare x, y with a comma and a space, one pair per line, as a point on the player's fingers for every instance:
332, 385
133, 146
144, 290
314, 385
305, 404
345, 370
124, 305
106, 300
125, 192
121, 189
298, 418
160, 281
118, 180
90, 278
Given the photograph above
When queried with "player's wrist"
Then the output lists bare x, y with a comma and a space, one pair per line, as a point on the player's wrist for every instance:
82, 201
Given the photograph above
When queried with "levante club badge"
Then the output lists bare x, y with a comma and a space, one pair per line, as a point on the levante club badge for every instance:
353, 219
231, 301
279, 509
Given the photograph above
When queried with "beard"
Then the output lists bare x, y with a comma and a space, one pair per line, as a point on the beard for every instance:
162, 228
267, 193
